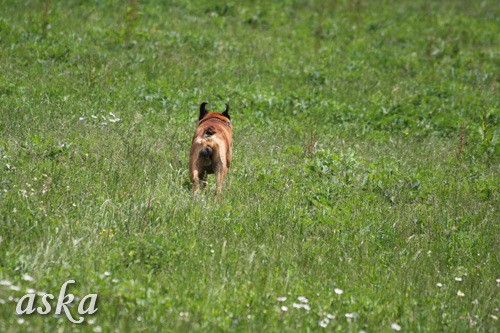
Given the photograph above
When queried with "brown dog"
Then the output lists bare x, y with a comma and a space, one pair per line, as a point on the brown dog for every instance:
212, 148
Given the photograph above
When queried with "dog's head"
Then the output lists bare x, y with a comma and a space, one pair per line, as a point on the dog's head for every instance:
205, 114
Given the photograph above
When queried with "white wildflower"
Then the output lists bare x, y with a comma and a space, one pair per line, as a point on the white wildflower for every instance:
114, 119
26, 277
303, 299
395, 327
301, 306
5, 283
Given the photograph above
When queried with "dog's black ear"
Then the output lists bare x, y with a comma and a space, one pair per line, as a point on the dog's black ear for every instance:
203, 111
226, 113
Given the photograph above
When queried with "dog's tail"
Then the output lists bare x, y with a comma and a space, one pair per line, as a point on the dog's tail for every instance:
210, 131
206, 152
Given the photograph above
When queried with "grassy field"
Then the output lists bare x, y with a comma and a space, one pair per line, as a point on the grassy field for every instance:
364, 191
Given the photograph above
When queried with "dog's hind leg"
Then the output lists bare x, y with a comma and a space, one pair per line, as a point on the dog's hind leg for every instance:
220, 180
229, 156
195, 180
195, 172
203, 180
220, 173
